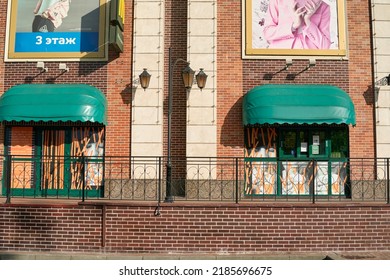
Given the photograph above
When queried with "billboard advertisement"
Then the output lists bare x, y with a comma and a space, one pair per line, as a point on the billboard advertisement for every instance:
294, 27
56, 29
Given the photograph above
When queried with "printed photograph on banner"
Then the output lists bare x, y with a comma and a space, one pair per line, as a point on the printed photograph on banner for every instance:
39, 29
295, 27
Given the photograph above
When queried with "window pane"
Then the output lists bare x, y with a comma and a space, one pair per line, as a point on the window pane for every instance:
289, 143
87, 142
318, 143
339, 142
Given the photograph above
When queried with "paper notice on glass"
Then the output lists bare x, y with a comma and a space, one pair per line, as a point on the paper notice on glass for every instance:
316, 140
303, 147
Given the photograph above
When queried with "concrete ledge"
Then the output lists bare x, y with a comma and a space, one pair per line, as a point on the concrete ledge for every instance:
99, 256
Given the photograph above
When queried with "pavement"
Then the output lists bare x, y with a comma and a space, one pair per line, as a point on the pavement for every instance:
353, 255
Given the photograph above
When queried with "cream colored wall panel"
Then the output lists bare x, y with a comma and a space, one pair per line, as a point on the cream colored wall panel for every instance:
203, 9
201, 110
383, 135
149, 26
199, 98
202, 60
204, 150
381, 41
202, 27
202, 44
202, 116
201, 134
382, 63
383, 117
147, 133
146, 149
148, 44
148, 52
151, 61
145, 115
383, 150
380, 2
381, 12
384, 96
382, 45
146, 98
147, 9
382, 29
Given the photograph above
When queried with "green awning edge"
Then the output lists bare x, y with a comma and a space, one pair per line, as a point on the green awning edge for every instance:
53, 103
297, 104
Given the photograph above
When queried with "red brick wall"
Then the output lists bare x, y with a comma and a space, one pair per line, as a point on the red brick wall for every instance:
21, 141
195, 228
360, 78
236, 76
176, 39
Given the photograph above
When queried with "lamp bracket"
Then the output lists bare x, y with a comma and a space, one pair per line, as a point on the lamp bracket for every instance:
385, 81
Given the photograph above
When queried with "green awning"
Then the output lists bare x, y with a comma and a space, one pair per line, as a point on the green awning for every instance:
297, 104
53, 102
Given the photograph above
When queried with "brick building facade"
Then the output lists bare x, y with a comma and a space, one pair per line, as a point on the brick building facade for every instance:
210, 34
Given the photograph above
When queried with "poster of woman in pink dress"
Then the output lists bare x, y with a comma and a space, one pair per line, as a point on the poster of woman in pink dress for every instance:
282, 25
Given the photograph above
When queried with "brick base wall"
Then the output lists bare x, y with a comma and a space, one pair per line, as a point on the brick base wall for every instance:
197, 228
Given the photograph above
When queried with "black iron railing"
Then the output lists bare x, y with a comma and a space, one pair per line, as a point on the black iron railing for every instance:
195, 179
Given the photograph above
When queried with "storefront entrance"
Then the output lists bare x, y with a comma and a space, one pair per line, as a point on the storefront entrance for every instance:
54, 139
286, 160
297, 140
55, 161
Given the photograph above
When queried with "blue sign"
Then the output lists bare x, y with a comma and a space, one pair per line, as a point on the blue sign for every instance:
57, 42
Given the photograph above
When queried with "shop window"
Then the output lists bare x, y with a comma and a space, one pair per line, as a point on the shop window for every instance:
306, 157
87, 143
339, 143
56, 161
261, 164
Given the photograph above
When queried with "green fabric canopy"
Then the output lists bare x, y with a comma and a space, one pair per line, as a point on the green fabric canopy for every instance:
53, 102
297, 104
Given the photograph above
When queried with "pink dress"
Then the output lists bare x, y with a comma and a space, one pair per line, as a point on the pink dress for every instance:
278, 27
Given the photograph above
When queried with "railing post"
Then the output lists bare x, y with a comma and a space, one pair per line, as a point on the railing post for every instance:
237, 192
388, 180
83, 174
7, 178
159, 179
312, 184
157, 210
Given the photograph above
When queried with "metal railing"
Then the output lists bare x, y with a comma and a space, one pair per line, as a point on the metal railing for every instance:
228, 179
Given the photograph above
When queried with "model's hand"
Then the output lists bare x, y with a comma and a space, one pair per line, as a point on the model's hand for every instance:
297, 16
311, 7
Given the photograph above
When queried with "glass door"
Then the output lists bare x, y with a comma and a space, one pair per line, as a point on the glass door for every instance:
294, 165
53, 177
71, 160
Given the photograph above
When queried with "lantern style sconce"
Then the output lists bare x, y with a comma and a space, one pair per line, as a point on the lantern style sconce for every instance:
144, 79
201, 79
188, 76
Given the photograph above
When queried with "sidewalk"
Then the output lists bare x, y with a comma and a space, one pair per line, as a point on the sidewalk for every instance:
377, 255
